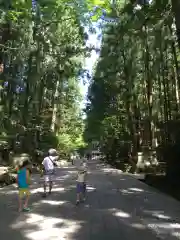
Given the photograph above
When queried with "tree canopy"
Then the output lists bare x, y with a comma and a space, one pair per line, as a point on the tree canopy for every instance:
133, 99
42, 55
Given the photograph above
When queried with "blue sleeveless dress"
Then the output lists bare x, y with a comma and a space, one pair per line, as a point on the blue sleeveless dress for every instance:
22, 183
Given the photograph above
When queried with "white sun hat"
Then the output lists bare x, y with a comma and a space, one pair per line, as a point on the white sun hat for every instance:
52, 151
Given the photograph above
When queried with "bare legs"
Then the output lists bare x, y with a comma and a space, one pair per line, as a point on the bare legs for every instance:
50, 186
81, 192
26, 201
44, 188
84, 191
78, 198
20, 199
20, 204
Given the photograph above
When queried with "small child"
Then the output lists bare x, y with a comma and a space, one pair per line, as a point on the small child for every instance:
81, 183
23, 181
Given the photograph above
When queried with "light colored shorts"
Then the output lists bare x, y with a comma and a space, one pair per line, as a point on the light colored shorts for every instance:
48, 176
24, 192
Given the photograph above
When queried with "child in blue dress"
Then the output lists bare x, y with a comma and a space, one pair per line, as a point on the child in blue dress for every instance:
23, 181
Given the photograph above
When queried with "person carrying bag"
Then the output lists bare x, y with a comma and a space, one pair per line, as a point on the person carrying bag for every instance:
49, 165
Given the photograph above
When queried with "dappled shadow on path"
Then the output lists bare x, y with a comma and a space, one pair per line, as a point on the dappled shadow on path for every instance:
117, 206
151, 209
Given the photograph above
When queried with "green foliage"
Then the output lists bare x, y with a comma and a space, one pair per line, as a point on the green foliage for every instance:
43, 51
136, 81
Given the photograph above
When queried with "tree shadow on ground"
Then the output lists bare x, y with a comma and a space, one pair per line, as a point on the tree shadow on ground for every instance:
114, 209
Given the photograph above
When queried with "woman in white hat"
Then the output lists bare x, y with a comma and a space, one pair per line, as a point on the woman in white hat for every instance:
49, 164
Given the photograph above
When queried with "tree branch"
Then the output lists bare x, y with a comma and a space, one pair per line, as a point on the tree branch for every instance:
11, 48
56, 21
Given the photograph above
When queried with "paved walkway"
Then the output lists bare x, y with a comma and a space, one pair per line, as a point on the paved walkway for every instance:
118, 207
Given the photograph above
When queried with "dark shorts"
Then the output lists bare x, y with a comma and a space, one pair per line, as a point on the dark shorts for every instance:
81, 187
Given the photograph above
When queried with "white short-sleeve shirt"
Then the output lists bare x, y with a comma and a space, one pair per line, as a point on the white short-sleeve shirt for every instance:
48, 163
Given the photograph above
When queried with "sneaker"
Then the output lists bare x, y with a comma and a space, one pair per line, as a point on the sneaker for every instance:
77, 202
26, 209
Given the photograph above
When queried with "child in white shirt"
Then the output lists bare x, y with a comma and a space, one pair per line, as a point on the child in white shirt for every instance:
81, 183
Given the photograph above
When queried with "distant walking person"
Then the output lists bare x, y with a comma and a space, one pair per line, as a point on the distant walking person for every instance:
23, 181
49, 164
88, 156
72, 158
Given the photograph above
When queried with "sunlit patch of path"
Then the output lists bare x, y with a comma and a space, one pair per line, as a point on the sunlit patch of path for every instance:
46, 227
